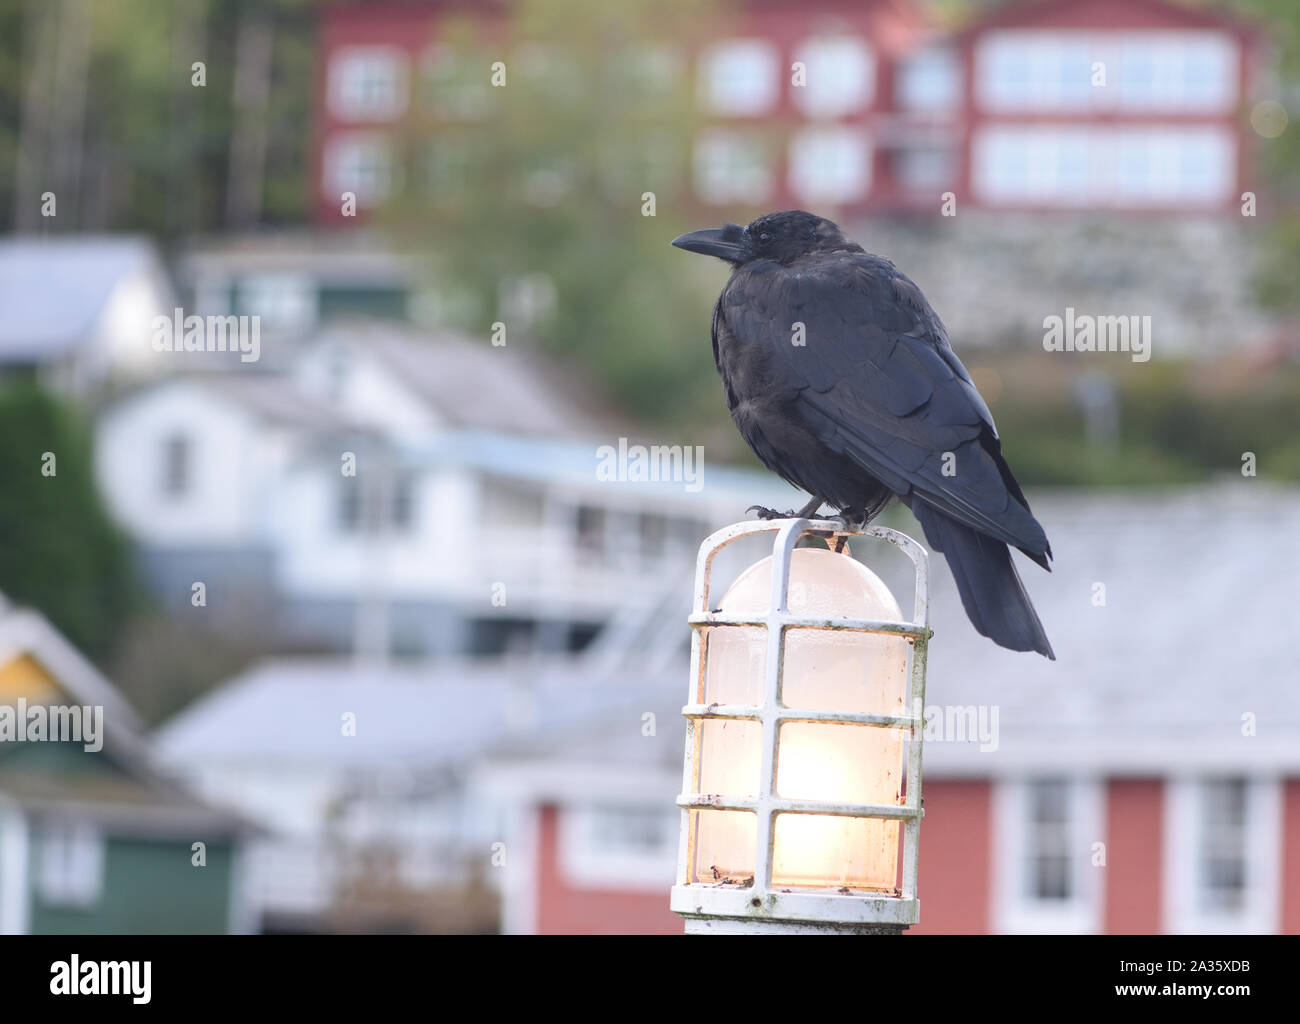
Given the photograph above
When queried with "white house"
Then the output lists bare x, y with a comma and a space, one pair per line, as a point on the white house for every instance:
412, 492
79, 310
358, 775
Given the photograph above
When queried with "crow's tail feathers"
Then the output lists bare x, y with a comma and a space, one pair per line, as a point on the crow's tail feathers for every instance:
990, 588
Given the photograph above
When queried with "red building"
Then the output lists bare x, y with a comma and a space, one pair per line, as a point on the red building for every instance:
861, 105
1086, 104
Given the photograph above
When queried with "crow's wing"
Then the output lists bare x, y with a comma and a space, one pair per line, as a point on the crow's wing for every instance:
878, 383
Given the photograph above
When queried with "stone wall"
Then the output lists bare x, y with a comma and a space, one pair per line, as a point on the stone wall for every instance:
994, 277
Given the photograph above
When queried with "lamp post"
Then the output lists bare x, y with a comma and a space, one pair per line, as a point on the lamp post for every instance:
803, 741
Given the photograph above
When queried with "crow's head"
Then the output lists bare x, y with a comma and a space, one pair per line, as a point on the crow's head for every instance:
780, 236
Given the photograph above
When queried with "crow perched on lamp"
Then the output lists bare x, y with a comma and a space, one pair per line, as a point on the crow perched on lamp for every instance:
839, 375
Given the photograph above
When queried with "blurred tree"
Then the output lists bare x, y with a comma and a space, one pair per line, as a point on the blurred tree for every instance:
1279, 149
103, 105
59, 551
531, 182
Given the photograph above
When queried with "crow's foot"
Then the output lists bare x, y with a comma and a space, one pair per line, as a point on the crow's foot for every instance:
769, 513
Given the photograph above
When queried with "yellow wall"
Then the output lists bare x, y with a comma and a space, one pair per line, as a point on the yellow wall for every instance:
24, 676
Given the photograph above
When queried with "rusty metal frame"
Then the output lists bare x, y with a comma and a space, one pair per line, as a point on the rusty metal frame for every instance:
728, 907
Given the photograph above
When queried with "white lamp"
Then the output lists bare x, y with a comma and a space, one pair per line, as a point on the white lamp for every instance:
802, 757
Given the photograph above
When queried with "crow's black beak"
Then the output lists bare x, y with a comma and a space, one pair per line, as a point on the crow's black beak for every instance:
725, 242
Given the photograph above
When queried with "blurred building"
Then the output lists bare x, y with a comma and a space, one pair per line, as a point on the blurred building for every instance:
865, 107
94, 837
360, 774
295, 281
1148, 781
378, 493
1107, 104
79, 311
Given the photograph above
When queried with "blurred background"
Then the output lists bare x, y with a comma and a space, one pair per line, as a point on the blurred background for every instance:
320, 321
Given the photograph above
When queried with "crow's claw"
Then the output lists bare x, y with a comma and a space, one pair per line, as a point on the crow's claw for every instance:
769, 513
849, 521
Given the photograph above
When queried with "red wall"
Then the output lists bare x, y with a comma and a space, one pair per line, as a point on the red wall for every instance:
955, 863
564, 910
1134, 824
955, 868
1290, 923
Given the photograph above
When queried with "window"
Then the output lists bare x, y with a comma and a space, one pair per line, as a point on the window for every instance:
740, 77
1222, 848
830, 165
457, 85
591, 532
176, 466
1175, 71
358, 505
731, 168
1103, 167
1222, 842
71, 864
1146, 70
619, 845
840, 77
1035, 70
403, 504
654, 534
349, 505
505, 504
362, 164
1045, 835
283, 302
1048, 842
368, 83
927, 80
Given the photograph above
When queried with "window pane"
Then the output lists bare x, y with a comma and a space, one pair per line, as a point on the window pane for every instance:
740, 77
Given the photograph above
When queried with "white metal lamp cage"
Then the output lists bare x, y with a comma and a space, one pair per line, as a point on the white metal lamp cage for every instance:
709, 899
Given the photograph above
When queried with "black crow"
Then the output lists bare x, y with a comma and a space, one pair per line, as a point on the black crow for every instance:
840, 377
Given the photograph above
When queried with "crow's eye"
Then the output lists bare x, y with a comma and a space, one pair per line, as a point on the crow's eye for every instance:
765, 237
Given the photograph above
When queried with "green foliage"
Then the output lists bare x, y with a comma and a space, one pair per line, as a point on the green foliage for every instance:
543, 180
1279, 212
152, 151
1172, 430
59, 551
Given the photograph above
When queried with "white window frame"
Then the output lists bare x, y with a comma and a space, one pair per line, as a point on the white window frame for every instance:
351, 65
586, 866
1014, 911
717, 182
170, 489
810, 154
1048, 151
70, 864
1182, 912
721, 63
1172, 91
281, 301
919, 71
839, 76
1043, 55
345, 149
